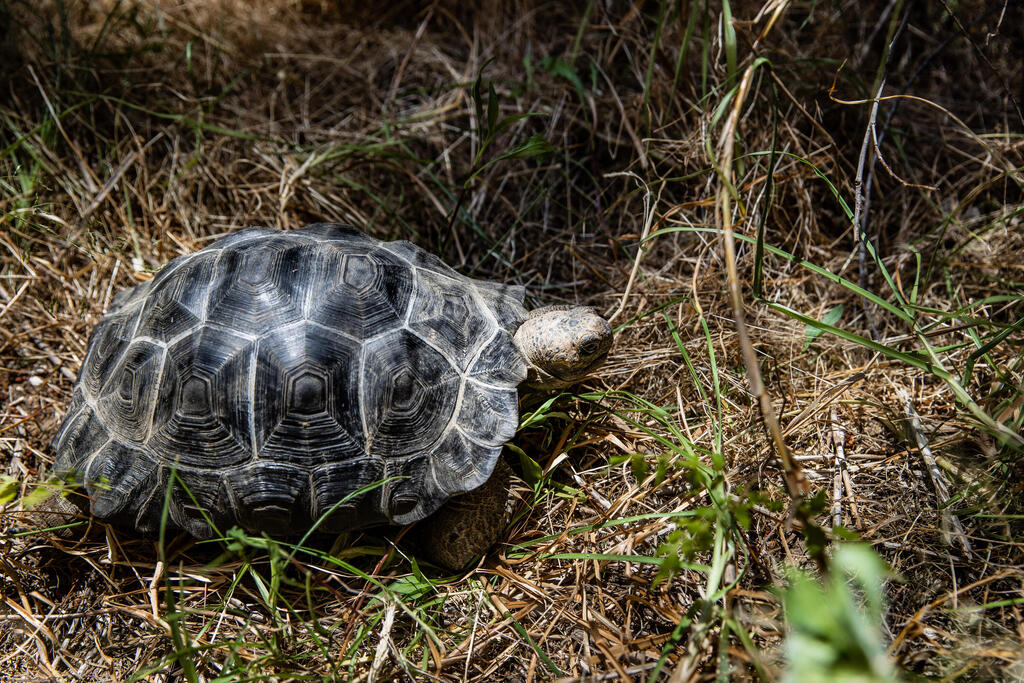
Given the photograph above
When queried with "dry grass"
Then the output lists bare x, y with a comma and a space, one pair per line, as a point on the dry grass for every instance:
134, 132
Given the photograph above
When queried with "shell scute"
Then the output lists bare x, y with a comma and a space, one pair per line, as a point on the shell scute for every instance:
408, 394
113, 475
203, 407
489, 415
107, 343
446, 314
80, 437
499, 363
306, 396
345, 235
242, 236
260, 285
346, 511
176, 304
367, 292
270, 496
458, 464
127, 400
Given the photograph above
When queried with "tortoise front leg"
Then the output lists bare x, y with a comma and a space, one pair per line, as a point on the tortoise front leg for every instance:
53, 513
469, 524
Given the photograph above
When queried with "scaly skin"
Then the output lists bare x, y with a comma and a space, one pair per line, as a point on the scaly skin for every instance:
468, 524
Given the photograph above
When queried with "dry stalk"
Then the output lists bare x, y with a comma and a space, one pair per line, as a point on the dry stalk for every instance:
796, 483
838, 442
952, 529
650, 211
380, 654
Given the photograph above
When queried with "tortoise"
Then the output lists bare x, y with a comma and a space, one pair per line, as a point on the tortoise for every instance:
286, 380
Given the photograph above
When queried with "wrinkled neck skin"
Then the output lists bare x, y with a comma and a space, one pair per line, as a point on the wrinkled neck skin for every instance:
562, 345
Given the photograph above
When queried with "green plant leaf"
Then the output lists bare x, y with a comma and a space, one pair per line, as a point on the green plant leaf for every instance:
9, 487
813, 332
534, 146
560, 67
638, 464
38, 494
843, 642
532, 471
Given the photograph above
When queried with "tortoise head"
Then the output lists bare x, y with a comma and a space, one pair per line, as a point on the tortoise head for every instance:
563, 344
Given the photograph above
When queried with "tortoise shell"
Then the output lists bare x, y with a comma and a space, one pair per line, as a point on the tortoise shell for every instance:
267, 380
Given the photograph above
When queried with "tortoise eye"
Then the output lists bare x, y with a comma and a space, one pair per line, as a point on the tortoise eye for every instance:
589, 348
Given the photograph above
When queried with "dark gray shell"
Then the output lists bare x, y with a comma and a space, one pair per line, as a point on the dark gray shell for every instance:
274, 374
